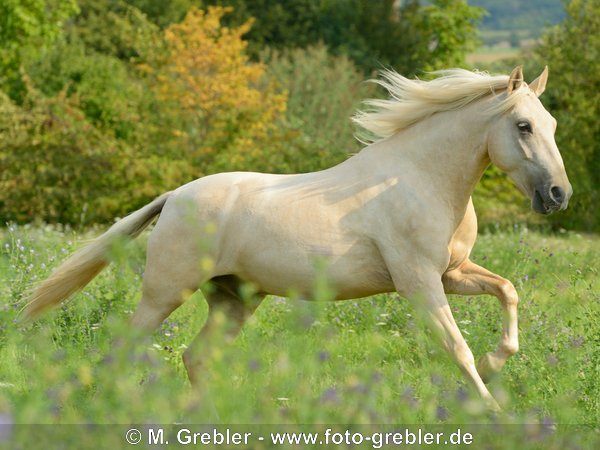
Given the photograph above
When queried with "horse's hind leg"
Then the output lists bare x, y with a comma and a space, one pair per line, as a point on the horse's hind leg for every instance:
224, 301
471, 279
172, 274
159, 299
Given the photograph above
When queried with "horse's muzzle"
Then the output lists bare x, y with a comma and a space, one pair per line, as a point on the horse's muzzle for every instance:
550, 199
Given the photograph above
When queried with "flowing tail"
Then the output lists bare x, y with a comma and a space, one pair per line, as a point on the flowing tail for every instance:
83, 266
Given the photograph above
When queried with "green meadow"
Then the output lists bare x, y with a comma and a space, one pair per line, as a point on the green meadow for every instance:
369, 361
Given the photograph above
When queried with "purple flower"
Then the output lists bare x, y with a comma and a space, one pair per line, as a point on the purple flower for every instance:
329, 396
577, 341
441, 413
436, 379
461, 394
409, 397
323, 356
253, 365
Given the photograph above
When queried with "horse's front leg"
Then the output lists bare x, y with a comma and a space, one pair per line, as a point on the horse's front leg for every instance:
471, 279
431, 300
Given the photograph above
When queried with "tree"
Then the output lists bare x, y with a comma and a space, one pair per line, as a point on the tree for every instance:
446, 31
28, 26
112, 126
374, 34
219, 105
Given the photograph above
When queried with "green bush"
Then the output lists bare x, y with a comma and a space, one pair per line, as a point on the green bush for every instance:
323, 93
27, 28
58, 166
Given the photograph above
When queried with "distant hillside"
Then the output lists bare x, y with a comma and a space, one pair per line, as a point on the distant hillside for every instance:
520, 15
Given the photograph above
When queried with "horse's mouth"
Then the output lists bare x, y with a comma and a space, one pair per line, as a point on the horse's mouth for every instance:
543, 206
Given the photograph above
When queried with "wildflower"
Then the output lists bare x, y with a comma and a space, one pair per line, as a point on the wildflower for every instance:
329, 396
552, 359
461, 394
409, 397
548, 424
436, 379
359, 388
253, 365
323, 356
577, 341
441, 413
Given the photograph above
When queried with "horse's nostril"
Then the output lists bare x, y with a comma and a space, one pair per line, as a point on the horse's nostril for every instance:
557, 193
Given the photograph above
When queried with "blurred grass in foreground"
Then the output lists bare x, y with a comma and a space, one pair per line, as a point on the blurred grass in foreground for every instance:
368, 361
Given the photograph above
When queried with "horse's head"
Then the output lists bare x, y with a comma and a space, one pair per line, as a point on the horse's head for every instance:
521, 143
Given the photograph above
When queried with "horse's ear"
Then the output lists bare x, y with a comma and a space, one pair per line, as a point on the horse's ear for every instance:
516, 79
539, 84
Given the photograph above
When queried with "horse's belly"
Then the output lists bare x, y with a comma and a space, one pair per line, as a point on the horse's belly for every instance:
352, 275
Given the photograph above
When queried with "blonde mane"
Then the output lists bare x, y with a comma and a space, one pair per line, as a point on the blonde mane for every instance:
414, 100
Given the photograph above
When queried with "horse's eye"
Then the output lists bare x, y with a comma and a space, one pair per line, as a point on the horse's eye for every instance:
524, 127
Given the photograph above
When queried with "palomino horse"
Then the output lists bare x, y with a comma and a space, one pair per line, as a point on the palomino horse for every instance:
396, 216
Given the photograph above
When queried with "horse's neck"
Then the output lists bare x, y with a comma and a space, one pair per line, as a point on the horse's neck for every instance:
448, 151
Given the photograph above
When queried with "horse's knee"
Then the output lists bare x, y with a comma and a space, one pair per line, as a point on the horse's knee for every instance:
508, 293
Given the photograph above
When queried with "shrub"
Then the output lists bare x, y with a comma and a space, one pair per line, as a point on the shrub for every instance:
216, 103
323, 92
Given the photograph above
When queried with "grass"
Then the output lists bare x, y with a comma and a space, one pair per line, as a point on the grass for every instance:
357, 362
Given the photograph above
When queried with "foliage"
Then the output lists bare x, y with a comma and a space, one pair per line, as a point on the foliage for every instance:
114, 28
449, 29
323, 93
572, 51
98, 132
221, 108
410, 38
52, 166
28, 27
165, 13
367, 361
108, 94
